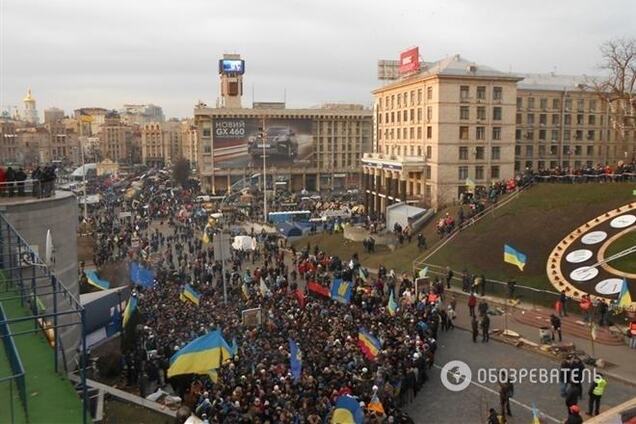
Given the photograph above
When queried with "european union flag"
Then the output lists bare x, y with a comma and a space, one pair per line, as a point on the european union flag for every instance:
341, 291
141, 276
295, 360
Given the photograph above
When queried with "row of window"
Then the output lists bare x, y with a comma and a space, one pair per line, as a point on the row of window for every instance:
556, 118
405, 99
556, 103
591, 135
479, 152
462, 172
554, 150
464, 113
553, 164
480, 133
480, 93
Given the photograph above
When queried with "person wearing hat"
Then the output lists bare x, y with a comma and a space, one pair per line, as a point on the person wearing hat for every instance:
574, 416
596, 393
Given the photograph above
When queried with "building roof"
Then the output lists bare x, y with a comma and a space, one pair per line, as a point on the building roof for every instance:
452, 66
346, 110
553, 82
29, 97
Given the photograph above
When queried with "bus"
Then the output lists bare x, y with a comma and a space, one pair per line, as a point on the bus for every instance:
288, 216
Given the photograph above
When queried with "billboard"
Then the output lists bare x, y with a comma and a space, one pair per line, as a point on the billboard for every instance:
284, 142
410, 60
232, 66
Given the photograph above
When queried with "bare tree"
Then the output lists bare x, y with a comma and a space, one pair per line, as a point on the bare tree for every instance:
181, 171
617, 90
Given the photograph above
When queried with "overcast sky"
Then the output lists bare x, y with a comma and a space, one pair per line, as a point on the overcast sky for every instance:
75, 53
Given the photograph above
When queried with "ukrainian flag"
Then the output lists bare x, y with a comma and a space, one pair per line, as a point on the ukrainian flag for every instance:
392, 307
189, 293
514, 257
201, 355
624, 298
94, 280
347, 411
130, 309
369, 345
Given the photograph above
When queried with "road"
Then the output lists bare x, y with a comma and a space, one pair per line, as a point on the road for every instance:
439, 405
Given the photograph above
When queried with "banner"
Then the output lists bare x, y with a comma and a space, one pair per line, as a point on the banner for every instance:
252, 317
341, 291
316, 288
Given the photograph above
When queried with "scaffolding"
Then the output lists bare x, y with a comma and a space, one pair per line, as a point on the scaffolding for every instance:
27, 278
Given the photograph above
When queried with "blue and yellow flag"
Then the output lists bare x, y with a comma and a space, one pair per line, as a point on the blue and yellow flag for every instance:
94, 280
347, 411
341, 291
130, 309
514, 257
189, 293
392, 307
624, 298
200, 356
295, 360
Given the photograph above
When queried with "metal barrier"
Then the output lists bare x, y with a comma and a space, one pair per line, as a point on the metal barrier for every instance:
28, 278
585, 178
37, 188
16, 366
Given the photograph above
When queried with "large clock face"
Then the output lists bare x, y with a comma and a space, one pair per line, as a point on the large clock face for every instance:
597, 256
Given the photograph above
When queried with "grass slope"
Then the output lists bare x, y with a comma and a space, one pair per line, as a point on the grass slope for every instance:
51, 398
533, 224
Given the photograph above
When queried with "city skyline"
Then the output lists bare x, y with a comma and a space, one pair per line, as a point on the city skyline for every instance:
82, 54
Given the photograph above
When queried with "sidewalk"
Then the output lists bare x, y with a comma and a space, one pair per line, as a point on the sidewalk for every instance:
619, 358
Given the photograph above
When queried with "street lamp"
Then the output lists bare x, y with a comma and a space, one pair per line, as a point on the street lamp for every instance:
84, 181
262, 136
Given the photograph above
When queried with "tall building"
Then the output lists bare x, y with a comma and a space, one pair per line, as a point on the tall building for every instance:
30, 111
189, 141
562, 124
115, 139
53, 114
161, 143
141, 114
231, 70
438, 128
8, 141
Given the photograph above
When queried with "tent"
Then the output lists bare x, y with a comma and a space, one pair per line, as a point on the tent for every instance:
84, 169
402, 214
244, 243
289, 229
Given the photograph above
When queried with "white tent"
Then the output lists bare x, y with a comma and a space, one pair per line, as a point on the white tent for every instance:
83, 170
244, 243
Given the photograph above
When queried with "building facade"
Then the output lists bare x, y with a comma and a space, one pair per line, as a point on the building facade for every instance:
53, 114
562, 124
116, 139
438, 131
318, 149
161, 143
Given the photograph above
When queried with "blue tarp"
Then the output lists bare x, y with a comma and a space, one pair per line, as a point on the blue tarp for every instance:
288, 229
141, 275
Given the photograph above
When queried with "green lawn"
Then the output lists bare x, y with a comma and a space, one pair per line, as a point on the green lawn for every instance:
533, 224
626, 263
51, 398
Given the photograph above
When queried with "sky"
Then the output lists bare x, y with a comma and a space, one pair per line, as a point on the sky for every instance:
74, 53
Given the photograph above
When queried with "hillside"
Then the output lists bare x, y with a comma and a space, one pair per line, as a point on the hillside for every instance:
534, 223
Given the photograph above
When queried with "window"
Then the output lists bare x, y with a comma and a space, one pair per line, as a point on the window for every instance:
399, 101
429, 93
543, 103
590, 150
419, 96
207, 148
463, 92
429, 113
567, 119
405, 115
463, 153
494, 172
497, 93
463, 133
517, 134
479, 153
428, 175
495, 153
496, 113
429, 152
530, 102
592, 105
412, 97
529, 151
568, 105
555, 119
554, 150
530, 135
578, 150
419, 133
590, 135
542, 134
579, 135
481, 133
555, 105
543, 119
518, 119
517, 150
463, 173
555, 136
463, 112
481, 92
481, 113
580, 104
541, 151
429, 132
530, 119
519, 102
591, 120
541, 164
206, 132
479, 172
419, 114
579, 119
496, 133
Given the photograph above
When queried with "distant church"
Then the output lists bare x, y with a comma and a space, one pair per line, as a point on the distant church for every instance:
30, 112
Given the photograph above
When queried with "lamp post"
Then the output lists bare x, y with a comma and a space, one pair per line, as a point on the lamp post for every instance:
84, 182
263, 141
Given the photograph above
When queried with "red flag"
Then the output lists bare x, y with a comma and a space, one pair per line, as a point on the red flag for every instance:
300, 297
557, 306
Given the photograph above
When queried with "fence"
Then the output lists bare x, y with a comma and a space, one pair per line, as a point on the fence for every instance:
15, 363
585, 178
27, 188
28, 280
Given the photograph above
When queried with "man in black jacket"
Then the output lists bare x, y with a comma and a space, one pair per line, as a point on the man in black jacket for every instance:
555, 323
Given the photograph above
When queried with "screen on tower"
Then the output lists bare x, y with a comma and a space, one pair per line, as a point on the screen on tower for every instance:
232, 66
